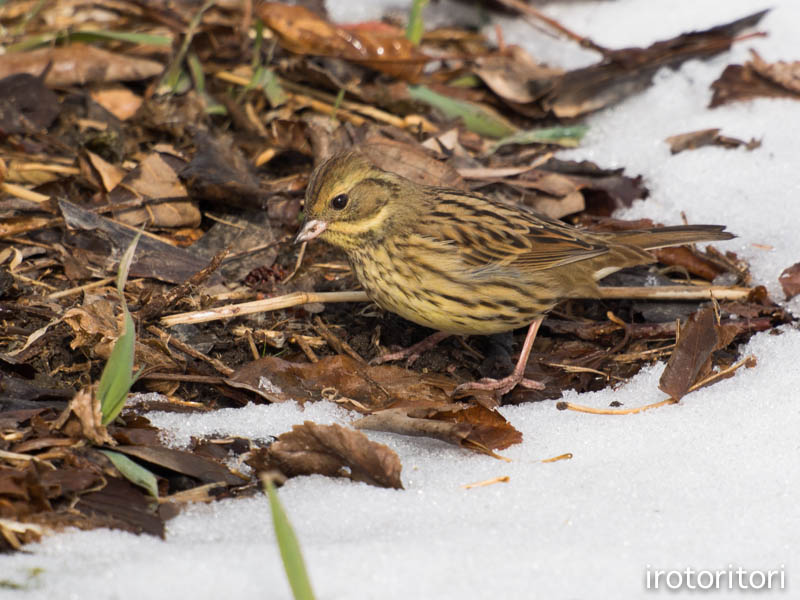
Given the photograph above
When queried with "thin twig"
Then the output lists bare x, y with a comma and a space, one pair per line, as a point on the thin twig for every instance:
187, 349
257, 306
531, 13
80, 288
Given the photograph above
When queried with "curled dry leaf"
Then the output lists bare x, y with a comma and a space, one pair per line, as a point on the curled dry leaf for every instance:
473, 427
334, 451
304, 32
706, 137
515, 76
96, 329
786, 74
85, 407
757, 78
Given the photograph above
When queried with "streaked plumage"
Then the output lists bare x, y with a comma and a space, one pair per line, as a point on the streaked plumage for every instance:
461, 262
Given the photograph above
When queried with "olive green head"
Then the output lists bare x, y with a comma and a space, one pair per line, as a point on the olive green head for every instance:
348, 200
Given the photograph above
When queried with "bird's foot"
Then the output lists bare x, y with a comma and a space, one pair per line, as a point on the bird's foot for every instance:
501, 386
412, 353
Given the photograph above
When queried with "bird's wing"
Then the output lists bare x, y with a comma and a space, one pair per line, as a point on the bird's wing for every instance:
486, 233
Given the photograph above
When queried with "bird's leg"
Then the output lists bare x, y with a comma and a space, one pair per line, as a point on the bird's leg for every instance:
412, 353
506, 384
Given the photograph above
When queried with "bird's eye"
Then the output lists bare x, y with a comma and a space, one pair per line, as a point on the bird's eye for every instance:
339, 202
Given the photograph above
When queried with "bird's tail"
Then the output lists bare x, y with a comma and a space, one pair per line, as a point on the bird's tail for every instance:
663, 237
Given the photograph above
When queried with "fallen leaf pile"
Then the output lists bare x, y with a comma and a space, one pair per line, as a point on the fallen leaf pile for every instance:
200, 127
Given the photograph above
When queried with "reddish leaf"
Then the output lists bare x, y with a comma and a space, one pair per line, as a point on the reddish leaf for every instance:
334, 451
302, 31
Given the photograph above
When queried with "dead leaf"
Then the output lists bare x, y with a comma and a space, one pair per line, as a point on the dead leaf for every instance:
85, 406
304, 32
341, 378
681, 256
118, 100
120, 505
334, 451
78, 64
473, 427
154, 257
180, 461
515, 76
707, 137
627, 71
411, 162
756, 79
26, 105
110, 174
785, 74
155, 181
790, 281
691, 359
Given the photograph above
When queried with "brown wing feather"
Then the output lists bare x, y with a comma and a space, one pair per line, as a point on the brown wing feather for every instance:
488, 233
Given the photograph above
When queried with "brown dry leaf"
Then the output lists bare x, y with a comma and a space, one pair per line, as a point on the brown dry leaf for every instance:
785, 74
334, 451
515, 76
78, 64
474, 427
120, 505
790, 281
341, 378
681, 256
188, 463
85, 406
304, 32
118, 100
627, 71
156, 180
96, 328
756, 79
219, 172
411, 162
26, 105
154, 257
94, 325
691, 359
706, 137
110, 174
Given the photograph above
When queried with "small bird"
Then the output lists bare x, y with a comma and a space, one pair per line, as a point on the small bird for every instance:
463, 263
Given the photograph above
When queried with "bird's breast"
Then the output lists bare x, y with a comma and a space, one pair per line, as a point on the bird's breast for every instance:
426, 282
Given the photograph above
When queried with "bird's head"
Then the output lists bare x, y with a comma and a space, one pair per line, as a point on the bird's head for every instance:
349, 201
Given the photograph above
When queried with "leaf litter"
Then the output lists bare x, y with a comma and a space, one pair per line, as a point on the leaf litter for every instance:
213, 158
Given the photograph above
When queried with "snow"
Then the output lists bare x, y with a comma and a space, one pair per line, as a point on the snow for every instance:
711, 483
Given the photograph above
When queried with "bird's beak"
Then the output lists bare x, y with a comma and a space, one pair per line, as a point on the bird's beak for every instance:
310, 230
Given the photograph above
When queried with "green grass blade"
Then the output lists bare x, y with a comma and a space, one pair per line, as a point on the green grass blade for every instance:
120, 36
133, 472
416, 24
476, 118
289, 547
116, 380
569, 136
